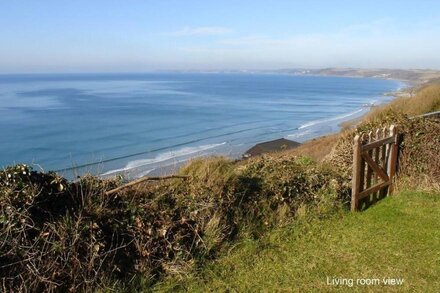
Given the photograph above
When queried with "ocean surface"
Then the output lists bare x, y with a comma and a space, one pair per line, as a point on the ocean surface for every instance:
142, 124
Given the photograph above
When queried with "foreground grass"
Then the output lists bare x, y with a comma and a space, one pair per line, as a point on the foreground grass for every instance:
397, 238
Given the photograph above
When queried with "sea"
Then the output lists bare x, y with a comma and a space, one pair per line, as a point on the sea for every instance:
151, 123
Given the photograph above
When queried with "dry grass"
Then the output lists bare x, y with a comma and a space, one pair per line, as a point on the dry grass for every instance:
426, 99
316, 149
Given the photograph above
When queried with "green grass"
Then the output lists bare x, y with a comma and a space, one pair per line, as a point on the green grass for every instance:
397, 238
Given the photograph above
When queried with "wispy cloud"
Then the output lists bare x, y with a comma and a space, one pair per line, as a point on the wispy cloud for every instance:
202, 31
376, 44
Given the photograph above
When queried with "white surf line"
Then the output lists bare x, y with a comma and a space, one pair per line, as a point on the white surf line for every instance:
163, 157
339, 117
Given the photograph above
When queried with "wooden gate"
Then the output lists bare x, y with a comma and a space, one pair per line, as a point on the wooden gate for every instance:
374, 166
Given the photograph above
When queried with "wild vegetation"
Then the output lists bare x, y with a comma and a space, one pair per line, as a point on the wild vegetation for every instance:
57, 235
61, 235
396, 239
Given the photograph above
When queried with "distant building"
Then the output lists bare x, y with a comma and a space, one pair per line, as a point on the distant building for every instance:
271, 146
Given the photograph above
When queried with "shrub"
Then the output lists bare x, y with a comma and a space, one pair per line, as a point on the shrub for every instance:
58, 235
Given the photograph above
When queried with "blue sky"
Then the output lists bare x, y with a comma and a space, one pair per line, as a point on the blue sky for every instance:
135, 35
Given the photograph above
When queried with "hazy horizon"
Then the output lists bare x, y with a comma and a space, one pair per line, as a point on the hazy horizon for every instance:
208, 71
143, 36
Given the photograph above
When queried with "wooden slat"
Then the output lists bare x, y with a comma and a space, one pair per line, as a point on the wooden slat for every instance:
377, 160
392, 166
369, 168
372, 189
376, 168
384, 163
362, 175
377, 143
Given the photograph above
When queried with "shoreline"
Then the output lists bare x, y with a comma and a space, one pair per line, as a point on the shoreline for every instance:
404, 91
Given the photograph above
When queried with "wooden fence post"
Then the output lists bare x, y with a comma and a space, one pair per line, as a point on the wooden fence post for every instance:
377, 160
356, 173
384, 161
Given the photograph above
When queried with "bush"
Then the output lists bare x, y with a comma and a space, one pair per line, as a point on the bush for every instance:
58, 235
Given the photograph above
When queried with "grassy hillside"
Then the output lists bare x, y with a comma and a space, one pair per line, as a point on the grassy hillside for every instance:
397, 238
426, 99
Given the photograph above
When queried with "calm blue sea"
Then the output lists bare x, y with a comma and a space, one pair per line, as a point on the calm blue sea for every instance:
143, 123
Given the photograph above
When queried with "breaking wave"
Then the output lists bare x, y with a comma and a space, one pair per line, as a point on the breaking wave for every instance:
163, 157
336, 118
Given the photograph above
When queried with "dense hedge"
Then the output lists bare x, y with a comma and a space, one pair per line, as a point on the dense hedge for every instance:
57, 235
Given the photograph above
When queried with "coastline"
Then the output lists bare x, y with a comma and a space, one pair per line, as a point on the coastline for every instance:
168, 161
199, 112
172, 159
404, 91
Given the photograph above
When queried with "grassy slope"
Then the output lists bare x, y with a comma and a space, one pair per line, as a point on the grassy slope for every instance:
397, 238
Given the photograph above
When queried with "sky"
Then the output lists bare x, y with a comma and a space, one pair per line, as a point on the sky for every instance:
144, 35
